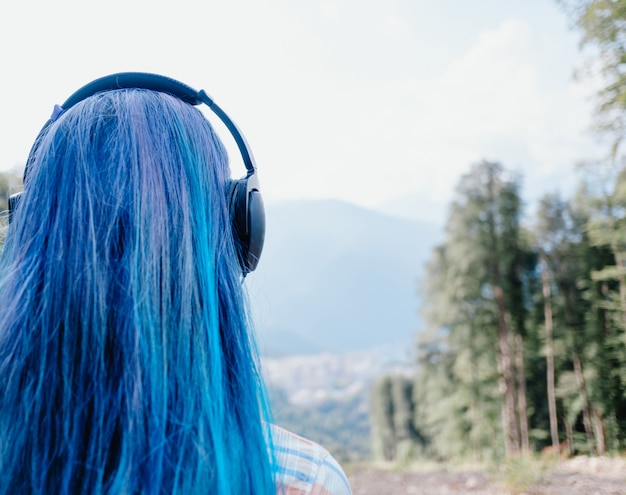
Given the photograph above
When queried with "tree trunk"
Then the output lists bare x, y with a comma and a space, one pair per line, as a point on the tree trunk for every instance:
599, 431
477, 447
507, 379
522, 408
547, 311
582, 386
569, 435
619, 263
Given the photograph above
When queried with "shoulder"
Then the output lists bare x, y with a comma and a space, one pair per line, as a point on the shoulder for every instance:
305, 468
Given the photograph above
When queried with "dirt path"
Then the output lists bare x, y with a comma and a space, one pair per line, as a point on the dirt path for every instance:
578, 476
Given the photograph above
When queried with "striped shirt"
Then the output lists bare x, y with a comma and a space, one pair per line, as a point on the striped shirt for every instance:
305, 468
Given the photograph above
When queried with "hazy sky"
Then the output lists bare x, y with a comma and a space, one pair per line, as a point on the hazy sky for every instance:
361, 100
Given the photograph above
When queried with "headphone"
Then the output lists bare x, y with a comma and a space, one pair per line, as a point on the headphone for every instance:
245, 202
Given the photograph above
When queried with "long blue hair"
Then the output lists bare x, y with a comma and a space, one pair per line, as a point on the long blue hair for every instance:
126, 359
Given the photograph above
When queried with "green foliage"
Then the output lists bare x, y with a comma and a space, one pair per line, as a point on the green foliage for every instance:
551, 300
383, 431
475, 303
10, 182
394, 433
403, 410
602, 24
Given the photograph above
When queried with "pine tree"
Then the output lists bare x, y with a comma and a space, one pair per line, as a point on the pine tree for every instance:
474, 303
382, 421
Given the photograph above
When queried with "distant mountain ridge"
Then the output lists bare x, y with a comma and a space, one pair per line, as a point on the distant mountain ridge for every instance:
338, 277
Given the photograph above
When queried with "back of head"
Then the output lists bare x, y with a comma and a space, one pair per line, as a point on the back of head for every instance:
126, 361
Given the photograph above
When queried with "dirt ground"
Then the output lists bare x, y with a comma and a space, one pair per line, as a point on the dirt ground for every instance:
576, 476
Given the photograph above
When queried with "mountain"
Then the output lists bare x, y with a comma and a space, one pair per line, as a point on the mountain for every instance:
338, 277
415, 205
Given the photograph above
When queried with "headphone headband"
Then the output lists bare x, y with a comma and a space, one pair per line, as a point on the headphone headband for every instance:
245, 201
164, 84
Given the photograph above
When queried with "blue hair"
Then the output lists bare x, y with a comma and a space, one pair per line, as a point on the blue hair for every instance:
127, 363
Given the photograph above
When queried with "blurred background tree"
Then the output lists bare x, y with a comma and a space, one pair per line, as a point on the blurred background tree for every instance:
10, 182
525, 344
602, 24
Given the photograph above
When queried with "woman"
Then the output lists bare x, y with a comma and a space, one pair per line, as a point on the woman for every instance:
127, 363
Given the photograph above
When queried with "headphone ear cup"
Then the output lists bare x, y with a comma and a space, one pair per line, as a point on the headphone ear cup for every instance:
256, 225
247, 214
14, 200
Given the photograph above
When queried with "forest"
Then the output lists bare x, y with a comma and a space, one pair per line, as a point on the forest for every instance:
524, 345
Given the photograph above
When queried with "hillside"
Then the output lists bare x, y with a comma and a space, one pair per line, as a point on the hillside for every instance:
326, 397
337, 277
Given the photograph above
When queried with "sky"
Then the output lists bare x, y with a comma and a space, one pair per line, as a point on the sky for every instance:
380, 103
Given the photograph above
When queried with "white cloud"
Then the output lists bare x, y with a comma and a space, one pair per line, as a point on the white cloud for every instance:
329, 11
333, 105
381, 141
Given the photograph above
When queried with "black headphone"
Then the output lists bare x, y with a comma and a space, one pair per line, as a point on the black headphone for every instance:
246, 204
